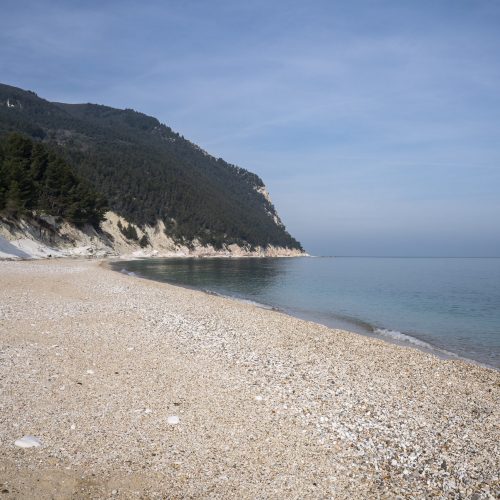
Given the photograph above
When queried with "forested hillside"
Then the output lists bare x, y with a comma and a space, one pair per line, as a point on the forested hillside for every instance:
33, 179
147, 172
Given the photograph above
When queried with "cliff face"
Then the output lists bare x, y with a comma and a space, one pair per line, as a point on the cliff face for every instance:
40, 238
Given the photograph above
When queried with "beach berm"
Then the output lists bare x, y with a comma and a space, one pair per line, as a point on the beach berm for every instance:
119, 387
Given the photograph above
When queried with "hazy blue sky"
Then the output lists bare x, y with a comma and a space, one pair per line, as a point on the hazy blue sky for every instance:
375, 124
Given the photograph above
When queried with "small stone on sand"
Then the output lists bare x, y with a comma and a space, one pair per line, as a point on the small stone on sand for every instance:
28, 442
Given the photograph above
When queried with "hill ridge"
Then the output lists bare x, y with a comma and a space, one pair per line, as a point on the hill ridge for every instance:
150, 173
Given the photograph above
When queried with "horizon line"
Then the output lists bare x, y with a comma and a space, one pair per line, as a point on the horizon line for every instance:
410, 256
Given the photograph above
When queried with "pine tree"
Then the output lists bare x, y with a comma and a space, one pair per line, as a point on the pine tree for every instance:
144, 241
129, 232
32, 178
14, 204
3, 181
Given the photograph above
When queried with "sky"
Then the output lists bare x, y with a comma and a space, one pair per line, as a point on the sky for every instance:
374, 124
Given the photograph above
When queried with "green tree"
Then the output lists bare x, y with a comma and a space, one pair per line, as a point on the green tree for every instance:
14, 203
129, 232
144, 241
34, 178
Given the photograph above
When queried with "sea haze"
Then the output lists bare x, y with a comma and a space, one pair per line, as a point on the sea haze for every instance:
450, 305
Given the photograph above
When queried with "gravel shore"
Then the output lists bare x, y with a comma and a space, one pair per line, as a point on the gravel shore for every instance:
138, 389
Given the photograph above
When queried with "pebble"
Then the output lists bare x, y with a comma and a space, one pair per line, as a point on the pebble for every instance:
28, 442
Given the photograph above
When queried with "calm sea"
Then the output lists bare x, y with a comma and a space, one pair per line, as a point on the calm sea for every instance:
450, 305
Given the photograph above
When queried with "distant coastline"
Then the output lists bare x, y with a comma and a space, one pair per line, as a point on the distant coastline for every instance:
46, 237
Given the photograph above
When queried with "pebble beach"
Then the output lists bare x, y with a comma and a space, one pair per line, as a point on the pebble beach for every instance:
113, 386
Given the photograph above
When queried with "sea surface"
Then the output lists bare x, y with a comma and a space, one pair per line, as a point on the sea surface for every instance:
447, 305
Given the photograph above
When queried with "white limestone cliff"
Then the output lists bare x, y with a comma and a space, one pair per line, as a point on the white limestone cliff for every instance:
47, 238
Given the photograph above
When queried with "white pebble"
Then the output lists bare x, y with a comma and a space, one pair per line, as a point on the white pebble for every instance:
173, 420
28, 442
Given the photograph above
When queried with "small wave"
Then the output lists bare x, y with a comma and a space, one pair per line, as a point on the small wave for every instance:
442, 353
128, 273
243, 301
253, 303
402, 337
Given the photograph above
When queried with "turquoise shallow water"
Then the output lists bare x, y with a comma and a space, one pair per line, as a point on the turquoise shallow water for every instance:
447, 304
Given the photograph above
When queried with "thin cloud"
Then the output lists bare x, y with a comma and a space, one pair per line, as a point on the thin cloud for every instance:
391, 102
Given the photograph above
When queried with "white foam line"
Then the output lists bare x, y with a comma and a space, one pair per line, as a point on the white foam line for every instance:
402, 338
395, 335
243, 301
